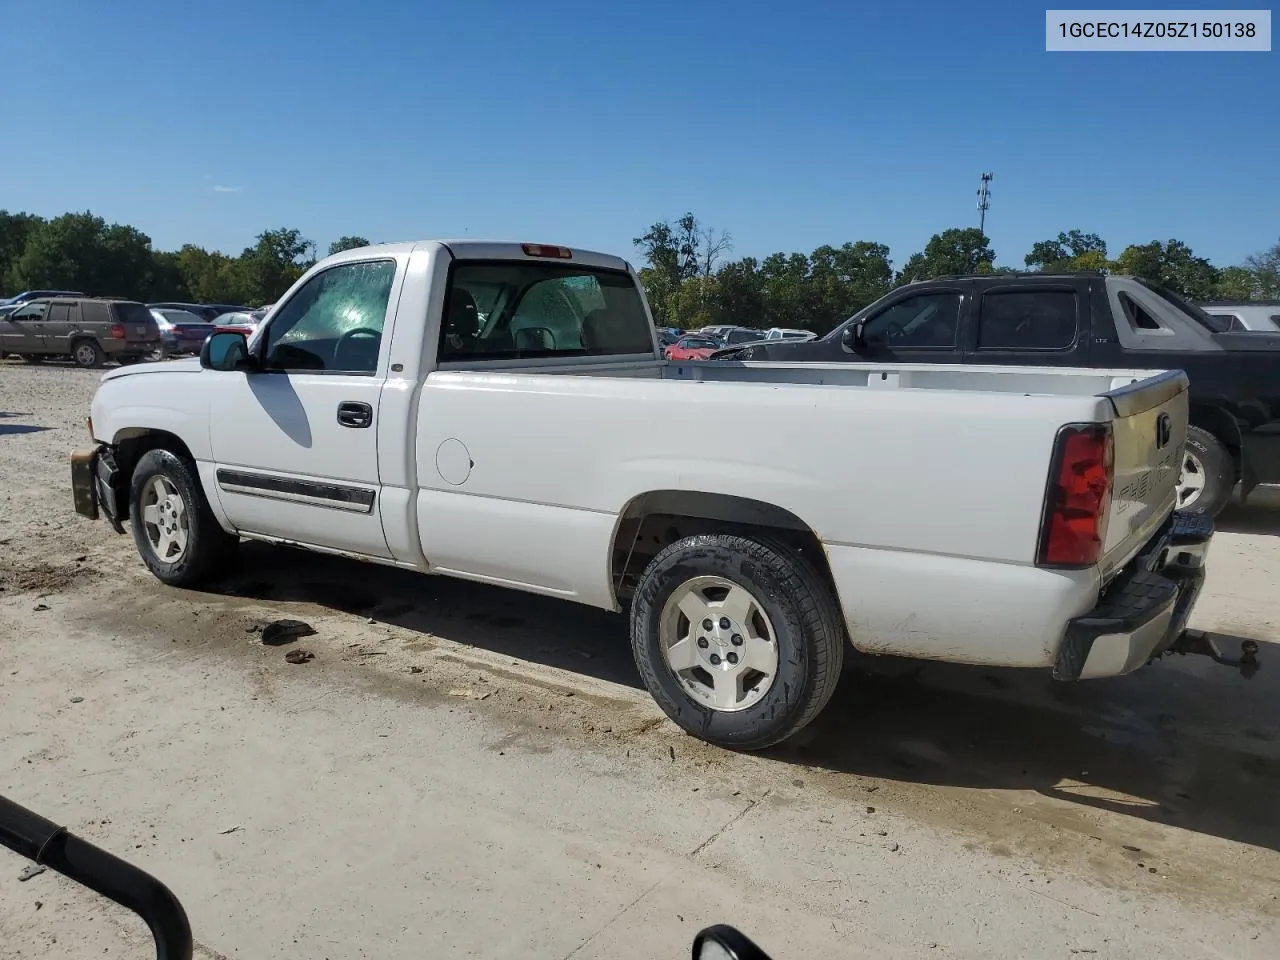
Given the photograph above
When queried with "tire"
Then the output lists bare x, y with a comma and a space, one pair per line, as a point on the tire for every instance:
787, 599
203, 547
1208, 474
87, 354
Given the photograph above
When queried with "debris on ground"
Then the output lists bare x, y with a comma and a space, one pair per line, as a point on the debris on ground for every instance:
32, 871
299, 656
77, 699
231, 830
279, 632
470, 694
40, 607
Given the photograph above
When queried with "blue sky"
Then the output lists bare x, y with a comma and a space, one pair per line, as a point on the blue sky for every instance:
788, 124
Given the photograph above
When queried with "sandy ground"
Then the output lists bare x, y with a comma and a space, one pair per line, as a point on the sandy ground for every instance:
465, 771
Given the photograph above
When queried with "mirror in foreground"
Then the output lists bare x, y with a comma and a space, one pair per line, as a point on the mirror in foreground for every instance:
723, 942
224, 350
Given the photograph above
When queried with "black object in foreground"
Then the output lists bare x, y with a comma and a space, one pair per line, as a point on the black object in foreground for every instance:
32, 836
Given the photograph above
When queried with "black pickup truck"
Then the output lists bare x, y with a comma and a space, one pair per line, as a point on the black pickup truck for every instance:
1082, 320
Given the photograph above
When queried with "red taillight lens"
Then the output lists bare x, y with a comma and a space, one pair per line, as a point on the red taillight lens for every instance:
117, 331
1079, 497
546, 250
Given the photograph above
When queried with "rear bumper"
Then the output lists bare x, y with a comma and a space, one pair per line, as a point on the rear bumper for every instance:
1145, 610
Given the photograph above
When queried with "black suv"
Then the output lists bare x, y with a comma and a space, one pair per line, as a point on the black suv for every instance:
1082, 320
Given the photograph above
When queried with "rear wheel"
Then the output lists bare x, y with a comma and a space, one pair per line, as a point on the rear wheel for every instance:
87, 353
176, 533
1208, 473
738, 640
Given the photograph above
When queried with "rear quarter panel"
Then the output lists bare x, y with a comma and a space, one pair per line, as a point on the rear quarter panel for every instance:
927, 501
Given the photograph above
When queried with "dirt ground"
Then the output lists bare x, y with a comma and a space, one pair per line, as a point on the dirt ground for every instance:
466, 771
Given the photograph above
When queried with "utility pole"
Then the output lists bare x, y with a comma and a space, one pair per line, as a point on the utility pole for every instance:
984, 201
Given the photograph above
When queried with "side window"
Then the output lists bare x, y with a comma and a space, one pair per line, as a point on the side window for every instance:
1138, 317
95, 311
334, 323
34, 311
925, 320
518, 309
59, 313
1027, 320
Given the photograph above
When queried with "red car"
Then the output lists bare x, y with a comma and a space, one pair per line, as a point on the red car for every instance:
692, 348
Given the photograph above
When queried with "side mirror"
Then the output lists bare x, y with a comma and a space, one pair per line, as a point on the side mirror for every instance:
225, 350
723, 942
852, 339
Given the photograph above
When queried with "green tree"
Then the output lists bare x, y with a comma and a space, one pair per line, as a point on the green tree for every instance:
15, 230
272, 264
211, 277
843, 280
80, 251
347, 243
1171, 264
1235, 283
1265, 267
1072, 250
958, 250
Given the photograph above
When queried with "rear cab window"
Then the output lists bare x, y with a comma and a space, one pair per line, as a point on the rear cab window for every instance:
1028, 319
133, 313
513, 309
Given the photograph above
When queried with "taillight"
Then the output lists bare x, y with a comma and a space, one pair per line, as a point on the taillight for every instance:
1078, 497
546, 250
117, 331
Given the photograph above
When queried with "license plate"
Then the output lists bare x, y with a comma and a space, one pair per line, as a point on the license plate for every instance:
140, 332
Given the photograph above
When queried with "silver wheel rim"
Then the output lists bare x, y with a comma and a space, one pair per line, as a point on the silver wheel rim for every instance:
164, 517
84, 354
1192, 481
719, 644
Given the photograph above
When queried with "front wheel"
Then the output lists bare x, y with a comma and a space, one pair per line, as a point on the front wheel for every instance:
1208, 473
738, 640
176, 533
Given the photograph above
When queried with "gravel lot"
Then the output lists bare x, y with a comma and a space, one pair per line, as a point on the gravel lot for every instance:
464, 771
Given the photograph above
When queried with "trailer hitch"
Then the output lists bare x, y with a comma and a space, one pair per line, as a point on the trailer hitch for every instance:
1202, 643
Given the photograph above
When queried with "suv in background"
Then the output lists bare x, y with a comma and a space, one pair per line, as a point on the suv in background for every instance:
88, 330
1255, 316
1082, 320
28, 295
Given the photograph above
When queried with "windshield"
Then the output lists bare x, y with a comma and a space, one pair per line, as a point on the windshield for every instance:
511, 309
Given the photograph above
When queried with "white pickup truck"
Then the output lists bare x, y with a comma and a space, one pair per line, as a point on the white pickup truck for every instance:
487, 411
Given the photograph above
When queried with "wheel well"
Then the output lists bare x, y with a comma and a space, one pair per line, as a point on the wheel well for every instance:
1222, 425
130, 445
659, 518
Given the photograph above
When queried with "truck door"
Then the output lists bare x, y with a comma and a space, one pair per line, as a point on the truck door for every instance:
1035, 323
295, 442
920, 327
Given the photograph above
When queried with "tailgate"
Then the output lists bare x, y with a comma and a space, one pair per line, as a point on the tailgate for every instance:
139, 325
1150, 428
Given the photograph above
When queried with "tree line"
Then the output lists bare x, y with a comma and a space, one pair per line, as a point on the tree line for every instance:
687, 273
81, 251
691, 282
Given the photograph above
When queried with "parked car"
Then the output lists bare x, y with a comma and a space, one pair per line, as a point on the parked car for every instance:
692, 347
245, 321
202, 310
28, 295
1258, 316
90, 331
1007, 516
788, 333
735, 336
181, 332
1083, 320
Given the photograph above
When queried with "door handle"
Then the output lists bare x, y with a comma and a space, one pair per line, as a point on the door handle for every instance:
352, 413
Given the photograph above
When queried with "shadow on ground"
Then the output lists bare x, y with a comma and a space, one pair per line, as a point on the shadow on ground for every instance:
1260, 514
1184, 742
